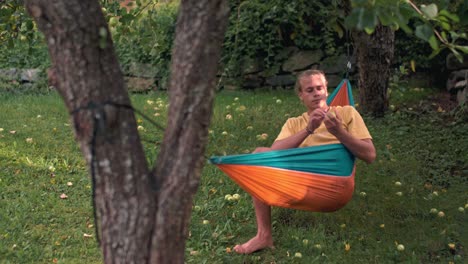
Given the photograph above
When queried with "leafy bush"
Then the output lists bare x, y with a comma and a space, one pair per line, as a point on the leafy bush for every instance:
261, 29
143, 33
21, 45
24, 54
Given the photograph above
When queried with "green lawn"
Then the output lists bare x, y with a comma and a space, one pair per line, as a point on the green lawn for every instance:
421, 167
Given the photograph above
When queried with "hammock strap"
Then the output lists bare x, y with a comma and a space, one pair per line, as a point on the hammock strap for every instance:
348, 55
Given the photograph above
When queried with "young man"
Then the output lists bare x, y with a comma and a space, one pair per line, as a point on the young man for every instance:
320, 125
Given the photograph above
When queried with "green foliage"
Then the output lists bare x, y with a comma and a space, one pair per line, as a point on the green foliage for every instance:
418, 145
439, 26
258, 31
21, 45
414, 49
398, 81
30, 53
15, 22
143, 33
262, 29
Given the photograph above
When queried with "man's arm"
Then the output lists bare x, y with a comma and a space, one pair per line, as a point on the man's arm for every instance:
290, 142
295, 140
361, 148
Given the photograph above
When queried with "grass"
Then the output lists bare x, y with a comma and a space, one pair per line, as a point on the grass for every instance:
421, 165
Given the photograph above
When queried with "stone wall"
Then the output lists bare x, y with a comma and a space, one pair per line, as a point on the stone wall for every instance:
255, 76
457, 83
20, 75
144, 77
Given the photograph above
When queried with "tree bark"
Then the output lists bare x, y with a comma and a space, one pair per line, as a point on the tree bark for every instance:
143, 214
374, 58
197, 49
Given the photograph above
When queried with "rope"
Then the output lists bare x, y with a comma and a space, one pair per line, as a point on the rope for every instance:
348, 56
98, 120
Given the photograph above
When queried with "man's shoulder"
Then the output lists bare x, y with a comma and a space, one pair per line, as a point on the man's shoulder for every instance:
346, 108
301, 118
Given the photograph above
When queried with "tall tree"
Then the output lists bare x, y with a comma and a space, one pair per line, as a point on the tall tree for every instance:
374, 59
374, 54
374, 39
142, 213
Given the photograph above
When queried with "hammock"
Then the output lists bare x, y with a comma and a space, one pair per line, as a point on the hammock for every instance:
317, 178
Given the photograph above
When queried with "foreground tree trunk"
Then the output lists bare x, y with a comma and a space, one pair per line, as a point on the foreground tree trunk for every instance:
374, 58
142, 213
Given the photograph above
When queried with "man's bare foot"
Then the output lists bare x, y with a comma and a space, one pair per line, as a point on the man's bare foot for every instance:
254, 244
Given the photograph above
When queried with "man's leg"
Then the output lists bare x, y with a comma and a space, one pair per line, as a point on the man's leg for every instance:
264, 238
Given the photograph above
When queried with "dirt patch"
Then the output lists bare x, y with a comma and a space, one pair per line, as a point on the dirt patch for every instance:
444, 99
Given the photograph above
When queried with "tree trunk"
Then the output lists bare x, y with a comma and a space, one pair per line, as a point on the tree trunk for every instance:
374, 58
197, 49
143, 214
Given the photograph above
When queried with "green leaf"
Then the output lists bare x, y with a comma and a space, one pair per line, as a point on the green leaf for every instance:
454, 35
434, 42
463, 49
430, 11
449, 15
443, 19
352, 19
457, 54
395, 27
369, 31
367, 19
385, 18
405, 13
446, 26
407, 29
424, 32
444, 35
29, 25
434, 53
127, 18
338, 29
5, 12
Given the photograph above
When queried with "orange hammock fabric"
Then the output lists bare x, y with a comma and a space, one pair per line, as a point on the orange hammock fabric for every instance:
293, 189
317, 178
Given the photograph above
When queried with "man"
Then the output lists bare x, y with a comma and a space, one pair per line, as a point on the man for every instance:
320, 125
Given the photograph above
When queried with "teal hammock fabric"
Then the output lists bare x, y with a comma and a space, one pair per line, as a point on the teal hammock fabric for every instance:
342, 95
333, 159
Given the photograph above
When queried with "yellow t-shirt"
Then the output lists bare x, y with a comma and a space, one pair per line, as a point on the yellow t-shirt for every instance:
351, 121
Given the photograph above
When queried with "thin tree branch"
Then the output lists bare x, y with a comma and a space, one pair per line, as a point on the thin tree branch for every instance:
422, 14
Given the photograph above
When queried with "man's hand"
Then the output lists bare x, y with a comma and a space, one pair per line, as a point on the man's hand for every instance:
333, 123
316, 118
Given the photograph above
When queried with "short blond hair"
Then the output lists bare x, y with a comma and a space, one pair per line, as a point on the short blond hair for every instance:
308, 73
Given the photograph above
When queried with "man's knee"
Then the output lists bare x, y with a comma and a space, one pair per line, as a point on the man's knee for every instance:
261, 149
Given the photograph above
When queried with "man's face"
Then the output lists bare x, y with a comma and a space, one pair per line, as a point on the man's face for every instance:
313, 91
